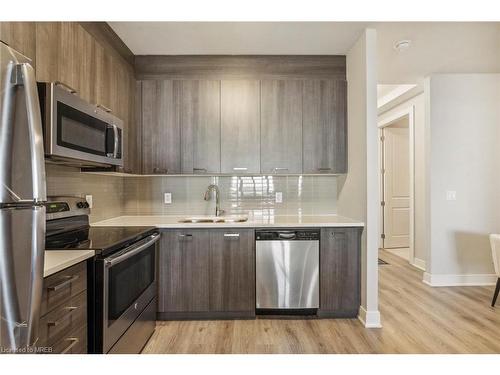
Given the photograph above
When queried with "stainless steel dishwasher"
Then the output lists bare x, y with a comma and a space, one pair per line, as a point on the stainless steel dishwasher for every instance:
287, 271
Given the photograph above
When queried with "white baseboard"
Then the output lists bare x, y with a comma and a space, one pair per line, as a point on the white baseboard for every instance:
459, 280
370, 319
419, 263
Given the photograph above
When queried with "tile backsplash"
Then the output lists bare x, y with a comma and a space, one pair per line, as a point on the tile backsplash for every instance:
106, 191
239, 195
255, 195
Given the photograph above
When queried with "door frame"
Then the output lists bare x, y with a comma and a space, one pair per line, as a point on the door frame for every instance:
410, 113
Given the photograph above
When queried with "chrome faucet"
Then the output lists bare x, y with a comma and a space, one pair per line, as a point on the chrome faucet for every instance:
215, 188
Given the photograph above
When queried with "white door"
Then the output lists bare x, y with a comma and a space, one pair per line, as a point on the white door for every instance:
396, 158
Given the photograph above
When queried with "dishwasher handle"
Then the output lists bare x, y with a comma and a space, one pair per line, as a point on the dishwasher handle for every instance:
286, 235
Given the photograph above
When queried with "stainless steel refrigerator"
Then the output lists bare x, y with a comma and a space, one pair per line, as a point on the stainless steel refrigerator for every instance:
22, 197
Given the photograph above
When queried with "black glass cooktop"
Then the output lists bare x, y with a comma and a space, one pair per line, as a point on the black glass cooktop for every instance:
104, 240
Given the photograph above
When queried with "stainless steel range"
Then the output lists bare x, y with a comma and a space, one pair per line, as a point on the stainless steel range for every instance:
123, 277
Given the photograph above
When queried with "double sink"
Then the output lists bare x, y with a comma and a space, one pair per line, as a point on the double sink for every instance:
214, 219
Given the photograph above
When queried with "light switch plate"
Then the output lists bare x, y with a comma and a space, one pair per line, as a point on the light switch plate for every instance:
451, 195
167, 198
279, 197
88, 198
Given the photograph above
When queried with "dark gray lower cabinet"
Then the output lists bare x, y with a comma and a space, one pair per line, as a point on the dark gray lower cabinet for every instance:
340, 272
206, 273
232, 267
184, 277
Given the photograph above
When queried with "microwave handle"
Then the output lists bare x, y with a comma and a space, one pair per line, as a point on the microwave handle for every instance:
117, 140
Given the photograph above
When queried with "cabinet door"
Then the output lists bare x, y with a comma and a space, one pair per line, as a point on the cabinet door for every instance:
133, 159
281, 126
240, 126
325, 126
104, 77
232, 271
340, 266
65, 52
20, 36
199, 112
161, 152
184, 261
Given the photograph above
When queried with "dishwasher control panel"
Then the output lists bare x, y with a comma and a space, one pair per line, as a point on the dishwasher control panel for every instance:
290, 235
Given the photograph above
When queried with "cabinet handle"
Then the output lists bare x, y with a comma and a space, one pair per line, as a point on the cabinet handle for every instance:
74, 341
104, 108
240, 169
66, 86
157, 170
66, 316
204, 170
278, 169
324, 169
64, 284
231, 236
185, 236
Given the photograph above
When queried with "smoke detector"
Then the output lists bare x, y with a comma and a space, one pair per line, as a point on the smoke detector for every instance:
402, 45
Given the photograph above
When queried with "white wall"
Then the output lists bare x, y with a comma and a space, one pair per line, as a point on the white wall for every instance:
417, 105
463, 119
358, 191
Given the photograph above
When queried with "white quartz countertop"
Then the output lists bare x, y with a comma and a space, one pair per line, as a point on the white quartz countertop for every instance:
58, 260
281, 221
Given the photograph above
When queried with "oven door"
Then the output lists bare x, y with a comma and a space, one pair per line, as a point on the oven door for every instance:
81, 131
129, 278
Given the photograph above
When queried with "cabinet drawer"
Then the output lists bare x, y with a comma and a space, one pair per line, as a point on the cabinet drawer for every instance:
73, 343
63, 320
60, 287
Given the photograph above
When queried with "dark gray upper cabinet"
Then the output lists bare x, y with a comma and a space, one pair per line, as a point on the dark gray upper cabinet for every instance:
161, 151
232, 270
240, 126
325, 126
340, 272
199, 115
281, 126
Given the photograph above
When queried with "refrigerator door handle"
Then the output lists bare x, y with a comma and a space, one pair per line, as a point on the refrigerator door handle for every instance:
35, 132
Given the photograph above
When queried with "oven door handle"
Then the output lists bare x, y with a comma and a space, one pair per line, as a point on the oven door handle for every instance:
131, 251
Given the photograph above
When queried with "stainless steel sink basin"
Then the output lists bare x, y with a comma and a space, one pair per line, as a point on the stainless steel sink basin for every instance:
214, 219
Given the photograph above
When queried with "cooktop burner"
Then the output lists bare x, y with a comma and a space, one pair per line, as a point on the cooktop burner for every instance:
101, 239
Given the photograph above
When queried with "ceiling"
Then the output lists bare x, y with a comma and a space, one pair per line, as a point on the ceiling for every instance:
239, 38
439, 47
436, 47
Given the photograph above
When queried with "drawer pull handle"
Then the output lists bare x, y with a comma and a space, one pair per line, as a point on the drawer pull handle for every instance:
280, 169
240, 169
74, 341
64, 284
104, 108
66, 87
185, 236
231, 236
203, 170
157, 170
70, 309
324, 169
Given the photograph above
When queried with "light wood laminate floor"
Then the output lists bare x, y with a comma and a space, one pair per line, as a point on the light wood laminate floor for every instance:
415, 317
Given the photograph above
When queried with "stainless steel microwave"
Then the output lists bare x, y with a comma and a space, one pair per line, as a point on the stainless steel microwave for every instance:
77, 132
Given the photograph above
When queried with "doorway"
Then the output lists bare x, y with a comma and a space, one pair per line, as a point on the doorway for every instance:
396, 182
